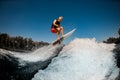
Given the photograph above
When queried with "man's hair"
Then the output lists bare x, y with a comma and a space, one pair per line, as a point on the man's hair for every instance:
60, 17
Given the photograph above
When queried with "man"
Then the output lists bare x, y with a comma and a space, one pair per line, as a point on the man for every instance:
57, 28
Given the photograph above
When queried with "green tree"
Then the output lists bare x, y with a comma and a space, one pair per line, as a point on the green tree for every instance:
119, 32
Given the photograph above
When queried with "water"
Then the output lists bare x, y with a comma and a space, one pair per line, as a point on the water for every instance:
40, 54
82, 59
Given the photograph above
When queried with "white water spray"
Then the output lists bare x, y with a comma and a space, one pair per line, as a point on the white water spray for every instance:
82, 59
40, 54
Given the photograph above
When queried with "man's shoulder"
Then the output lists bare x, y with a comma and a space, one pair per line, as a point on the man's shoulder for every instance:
55, 19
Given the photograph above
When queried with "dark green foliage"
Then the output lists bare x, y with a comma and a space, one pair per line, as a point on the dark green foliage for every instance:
113, 40
119, 31
19, 43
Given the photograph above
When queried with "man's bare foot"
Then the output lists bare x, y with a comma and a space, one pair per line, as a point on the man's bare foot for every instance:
59, 41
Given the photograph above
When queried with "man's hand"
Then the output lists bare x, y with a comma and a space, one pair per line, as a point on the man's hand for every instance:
62, 36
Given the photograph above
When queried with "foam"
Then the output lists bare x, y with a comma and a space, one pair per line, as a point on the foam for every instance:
82, 59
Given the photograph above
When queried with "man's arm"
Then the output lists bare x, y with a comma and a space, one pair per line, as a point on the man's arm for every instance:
54, 23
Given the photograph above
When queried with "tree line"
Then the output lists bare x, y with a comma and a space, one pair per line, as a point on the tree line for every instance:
113, 39
19, 43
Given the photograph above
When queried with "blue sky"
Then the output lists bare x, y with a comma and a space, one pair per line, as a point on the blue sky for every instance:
98, 19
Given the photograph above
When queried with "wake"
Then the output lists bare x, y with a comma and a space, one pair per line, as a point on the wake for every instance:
82, 59
40, 54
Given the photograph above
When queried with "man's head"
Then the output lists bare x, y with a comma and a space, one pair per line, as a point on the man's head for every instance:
60, 18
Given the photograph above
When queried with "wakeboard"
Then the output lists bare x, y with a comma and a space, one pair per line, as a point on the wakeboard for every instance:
63, 37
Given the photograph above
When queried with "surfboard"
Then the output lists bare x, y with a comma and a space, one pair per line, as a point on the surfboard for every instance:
65, 36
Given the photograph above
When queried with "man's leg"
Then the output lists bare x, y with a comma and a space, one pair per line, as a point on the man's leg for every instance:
62, 30
58, 37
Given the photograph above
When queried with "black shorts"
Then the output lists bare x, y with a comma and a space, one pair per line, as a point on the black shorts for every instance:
54, 26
